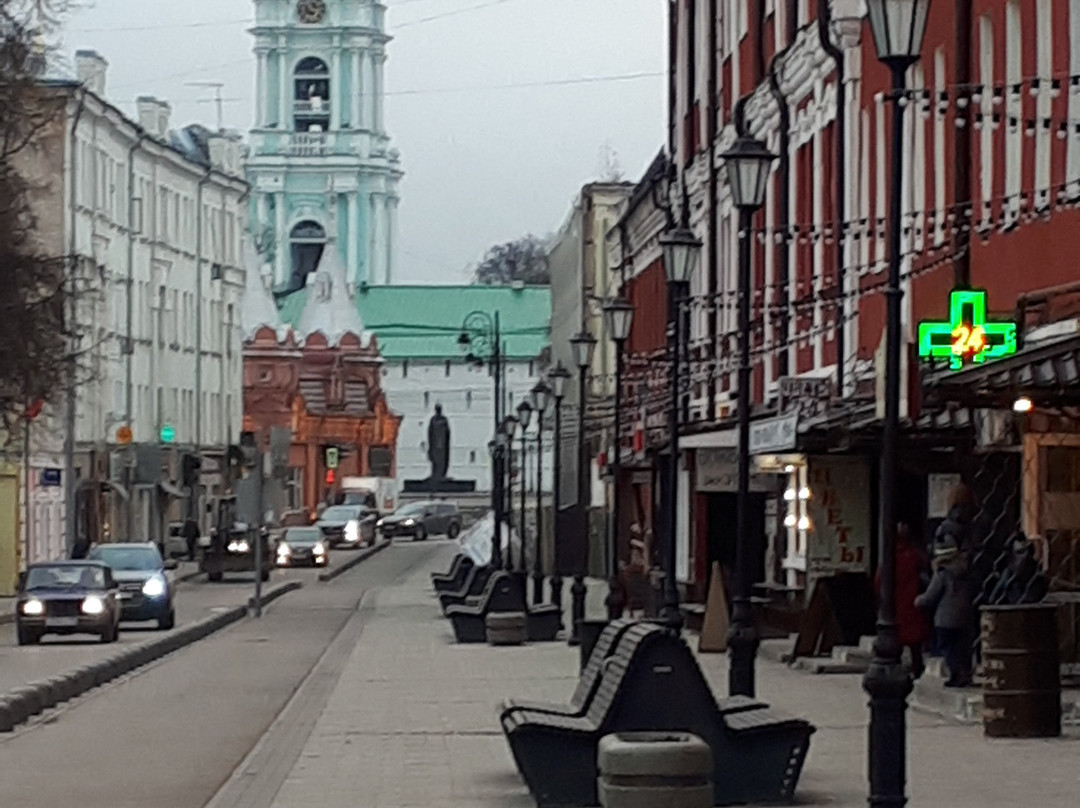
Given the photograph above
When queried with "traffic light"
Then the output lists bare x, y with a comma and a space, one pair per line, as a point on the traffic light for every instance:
190, 470
333, 457
330, 476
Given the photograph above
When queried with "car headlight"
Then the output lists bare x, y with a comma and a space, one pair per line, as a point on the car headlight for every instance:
380, 524
93, 605
409, 523
33, 607
154, 588
352, 531
240, 546
319, 548
284, 550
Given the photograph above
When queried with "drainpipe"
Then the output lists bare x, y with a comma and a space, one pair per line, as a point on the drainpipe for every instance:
673, 28
962, 178
199, 307
129, 337
69, 399
714, 182
839, 234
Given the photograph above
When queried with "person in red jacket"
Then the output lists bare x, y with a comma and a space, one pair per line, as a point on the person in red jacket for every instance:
912, 573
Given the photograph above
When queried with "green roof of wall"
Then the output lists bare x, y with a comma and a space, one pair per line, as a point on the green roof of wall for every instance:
423, 322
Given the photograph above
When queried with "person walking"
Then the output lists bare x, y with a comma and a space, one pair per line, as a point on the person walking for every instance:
951, 599
912, 577
191, 537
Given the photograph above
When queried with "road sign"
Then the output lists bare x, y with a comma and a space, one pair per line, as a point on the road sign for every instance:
50, 478
332, 457
124, 436
168, 433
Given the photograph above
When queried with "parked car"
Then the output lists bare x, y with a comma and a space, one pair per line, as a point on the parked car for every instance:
67, 597
302, 546
347, 526
423, 519
146, 589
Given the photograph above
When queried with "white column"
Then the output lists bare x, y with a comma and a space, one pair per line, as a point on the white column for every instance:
378, 269
261, 213
284, 93
353, 230
377, 91
391, 237
357, 116
370, 237
336, 96
368, 83
261, 77
281, 256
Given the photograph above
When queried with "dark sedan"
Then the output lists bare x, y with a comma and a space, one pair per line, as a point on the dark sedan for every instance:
350, 526
146, 588
302, 546
67, 597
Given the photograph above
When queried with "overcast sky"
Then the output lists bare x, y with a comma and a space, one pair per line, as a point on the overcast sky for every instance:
484, 163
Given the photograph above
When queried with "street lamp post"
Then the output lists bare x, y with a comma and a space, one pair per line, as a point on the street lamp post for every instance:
584, 344
898, 27
682, 251
559, 376
509, 428
748, 165
541, 394
618, 318
524, 418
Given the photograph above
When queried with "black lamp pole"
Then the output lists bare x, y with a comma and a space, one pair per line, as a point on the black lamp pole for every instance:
583, 344
509, 428
540, 394
748, 168
558, 378
618, 319
524, 417
898, 27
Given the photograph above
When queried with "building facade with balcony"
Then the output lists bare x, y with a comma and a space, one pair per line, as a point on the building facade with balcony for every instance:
320, 142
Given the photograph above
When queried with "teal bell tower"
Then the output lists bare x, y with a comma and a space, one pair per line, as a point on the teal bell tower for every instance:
319, 141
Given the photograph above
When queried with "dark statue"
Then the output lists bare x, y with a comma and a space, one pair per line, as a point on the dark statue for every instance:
438, 440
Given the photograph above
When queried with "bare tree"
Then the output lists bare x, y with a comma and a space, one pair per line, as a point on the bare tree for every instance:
524, 260
36, 345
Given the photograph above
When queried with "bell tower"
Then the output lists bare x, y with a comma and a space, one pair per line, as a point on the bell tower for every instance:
319, 147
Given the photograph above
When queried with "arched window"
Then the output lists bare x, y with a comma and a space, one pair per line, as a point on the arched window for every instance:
306, 241
311, 95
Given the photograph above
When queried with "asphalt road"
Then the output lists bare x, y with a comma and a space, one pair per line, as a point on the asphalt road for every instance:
172, 734
194, 600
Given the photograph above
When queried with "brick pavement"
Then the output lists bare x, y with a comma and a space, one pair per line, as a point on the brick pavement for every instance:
412, 722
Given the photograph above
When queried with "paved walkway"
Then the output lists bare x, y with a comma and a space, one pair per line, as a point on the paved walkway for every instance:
412, 722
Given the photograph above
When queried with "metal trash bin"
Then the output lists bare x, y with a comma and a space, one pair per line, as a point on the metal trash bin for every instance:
589, 632
1021, 667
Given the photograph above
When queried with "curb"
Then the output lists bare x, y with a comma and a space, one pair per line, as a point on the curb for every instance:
22, 703
362, 555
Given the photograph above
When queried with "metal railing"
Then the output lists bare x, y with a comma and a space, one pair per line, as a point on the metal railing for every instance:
310, 144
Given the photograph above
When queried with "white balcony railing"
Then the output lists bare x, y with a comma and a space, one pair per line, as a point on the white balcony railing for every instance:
310, 144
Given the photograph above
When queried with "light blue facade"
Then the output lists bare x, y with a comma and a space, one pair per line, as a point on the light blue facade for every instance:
321, 166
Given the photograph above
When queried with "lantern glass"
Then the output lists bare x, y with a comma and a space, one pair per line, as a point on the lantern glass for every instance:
559, 377
524, 411
682, 252
749, 165
583, 345
899, 27
619, 318
541, 396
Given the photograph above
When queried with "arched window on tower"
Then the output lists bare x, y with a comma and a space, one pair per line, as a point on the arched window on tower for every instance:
306, 242
311, 95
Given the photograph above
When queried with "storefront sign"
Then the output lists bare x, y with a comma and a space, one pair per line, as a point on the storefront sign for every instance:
839, 511
938, 488
50, 478
967, 336
717, 472
806, 396
774, 435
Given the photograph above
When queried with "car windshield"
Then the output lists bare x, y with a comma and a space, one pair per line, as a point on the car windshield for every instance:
128, 558
415, 509
66, 577
302, 534
340, 513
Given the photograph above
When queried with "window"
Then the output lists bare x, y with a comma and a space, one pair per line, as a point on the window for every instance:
472, 456
405, 369
427, 399
468, 399
448, 368
311, 95
307, 241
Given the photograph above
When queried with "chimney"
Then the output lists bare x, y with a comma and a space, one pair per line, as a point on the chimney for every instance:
225, 152
153, 115
90, 69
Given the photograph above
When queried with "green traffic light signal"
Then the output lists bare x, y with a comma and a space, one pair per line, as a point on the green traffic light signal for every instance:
168, 434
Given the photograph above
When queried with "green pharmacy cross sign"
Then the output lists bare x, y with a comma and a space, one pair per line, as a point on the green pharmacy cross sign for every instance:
967, 336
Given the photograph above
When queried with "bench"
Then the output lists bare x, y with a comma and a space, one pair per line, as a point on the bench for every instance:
505, 592
653, 683
475, 581
454, 578
588, 682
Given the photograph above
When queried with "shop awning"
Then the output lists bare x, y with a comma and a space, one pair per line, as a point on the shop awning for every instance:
1046, 372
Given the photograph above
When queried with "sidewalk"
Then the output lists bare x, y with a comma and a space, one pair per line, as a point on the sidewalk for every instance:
412, 722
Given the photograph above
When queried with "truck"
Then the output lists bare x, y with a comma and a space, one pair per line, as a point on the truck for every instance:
377, 493
231, 544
